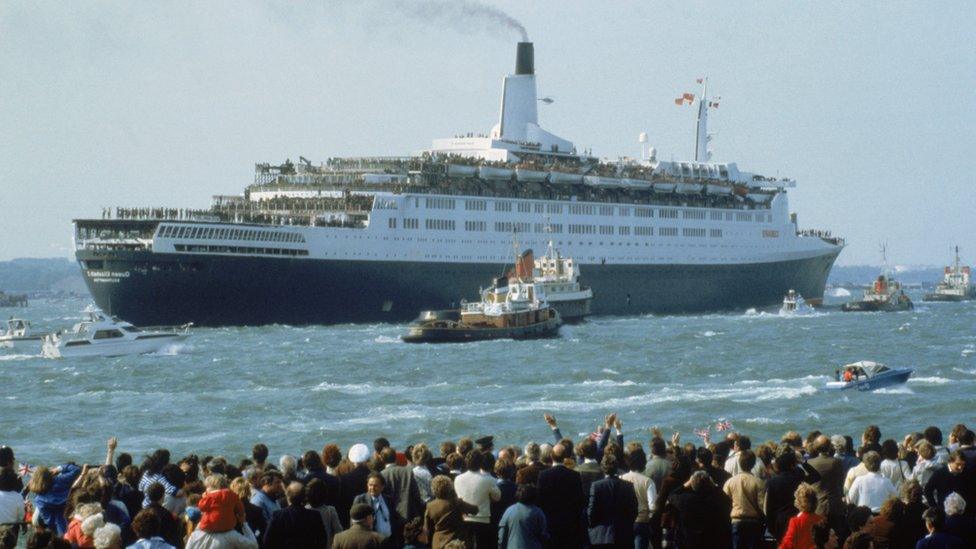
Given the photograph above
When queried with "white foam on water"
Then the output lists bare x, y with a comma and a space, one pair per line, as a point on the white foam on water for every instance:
18, 357
894, 391
384, 339
608, 383
709, 333
933, 380
971, 371
839, 292
609, 371
172, 349
765, 421
968, 352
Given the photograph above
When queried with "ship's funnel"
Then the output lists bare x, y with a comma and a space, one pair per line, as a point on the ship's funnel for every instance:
525, 59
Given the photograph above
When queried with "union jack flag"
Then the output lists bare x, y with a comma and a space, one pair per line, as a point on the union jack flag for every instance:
703, 432
723, 425
25, 470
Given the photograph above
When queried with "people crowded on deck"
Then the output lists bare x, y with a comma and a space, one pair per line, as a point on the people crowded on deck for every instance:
600, 491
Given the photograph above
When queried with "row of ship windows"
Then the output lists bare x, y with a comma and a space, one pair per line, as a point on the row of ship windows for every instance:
238, 250
590, 209
557, 228
175, 231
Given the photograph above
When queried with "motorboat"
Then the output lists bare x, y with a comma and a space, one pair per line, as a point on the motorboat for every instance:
19, 333
794, 304
506, 311
956, 284
867, 376
106, 336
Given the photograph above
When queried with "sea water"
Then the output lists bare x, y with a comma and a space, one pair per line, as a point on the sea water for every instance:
298, 388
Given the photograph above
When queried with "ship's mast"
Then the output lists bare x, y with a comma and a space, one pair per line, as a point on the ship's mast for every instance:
701, 133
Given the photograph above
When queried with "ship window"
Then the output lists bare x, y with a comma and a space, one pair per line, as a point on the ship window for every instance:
524, 207
715, 233
106, 334
693, 214
667, 213
692, 232
477, 205
540, 208
392, 222
644, 231
715, 216
606, 229
503, 206
668, 231
606, 210
623, 212
623, 230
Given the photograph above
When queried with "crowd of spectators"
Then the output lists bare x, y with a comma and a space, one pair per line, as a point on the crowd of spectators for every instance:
810, 491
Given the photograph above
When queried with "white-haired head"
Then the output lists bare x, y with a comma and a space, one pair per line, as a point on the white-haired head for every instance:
92, 523
108, 536
954, 505
288, 464
86, 510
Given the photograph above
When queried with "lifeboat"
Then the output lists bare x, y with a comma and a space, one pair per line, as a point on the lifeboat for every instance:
494, 172
565, 178
526, 175
460, 170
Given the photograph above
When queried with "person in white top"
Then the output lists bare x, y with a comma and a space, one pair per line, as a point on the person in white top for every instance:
892, 468
478, 488
871, 490
11, 504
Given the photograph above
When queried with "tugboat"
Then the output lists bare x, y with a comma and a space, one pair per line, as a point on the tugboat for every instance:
867, 376
955, 286
101, 335
559, 277
886, 294
794, 304
18, 334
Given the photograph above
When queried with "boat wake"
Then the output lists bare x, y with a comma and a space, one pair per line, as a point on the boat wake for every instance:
894, 391
932, 380
173, 349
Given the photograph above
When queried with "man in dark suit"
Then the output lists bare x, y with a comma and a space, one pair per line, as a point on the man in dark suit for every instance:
830, 488
386, 521
353, 483
589, 469
561, 499
612, 508
295, 526
402, 487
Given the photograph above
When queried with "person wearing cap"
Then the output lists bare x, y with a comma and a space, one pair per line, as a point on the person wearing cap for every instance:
360, 534
352, 483
486, 444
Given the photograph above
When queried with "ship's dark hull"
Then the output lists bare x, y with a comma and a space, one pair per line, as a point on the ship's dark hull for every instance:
212, 290
429, 332
936, 297
876, 306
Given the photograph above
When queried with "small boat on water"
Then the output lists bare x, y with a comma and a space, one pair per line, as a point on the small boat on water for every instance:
102, 335
956, 284
867, 376
886, 294
516, 310
19, 334
794, 304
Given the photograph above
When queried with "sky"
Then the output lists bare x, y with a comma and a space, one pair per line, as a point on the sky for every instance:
869, 105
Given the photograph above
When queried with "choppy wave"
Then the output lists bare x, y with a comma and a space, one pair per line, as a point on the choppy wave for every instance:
18, 357
931, 380
839, 292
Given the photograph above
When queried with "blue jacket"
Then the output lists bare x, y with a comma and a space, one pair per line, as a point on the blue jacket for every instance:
522, 526
50, 504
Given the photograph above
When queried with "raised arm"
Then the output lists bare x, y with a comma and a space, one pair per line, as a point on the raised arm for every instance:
113, 443
556, 434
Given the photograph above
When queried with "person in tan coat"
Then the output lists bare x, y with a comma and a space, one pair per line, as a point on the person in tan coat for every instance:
360, 534
444, 519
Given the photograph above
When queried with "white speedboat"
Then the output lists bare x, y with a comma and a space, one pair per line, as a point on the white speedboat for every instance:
102, 335
794, 304
18, 334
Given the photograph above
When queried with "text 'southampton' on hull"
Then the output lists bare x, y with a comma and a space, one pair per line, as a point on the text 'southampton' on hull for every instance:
379, 238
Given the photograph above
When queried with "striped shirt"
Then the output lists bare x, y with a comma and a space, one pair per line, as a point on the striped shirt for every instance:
148, 479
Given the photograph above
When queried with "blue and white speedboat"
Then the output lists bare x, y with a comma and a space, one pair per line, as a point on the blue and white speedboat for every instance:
868, 376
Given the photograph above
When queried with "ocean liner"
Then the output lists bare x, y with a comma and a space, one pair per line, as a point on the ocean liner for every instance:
379, 238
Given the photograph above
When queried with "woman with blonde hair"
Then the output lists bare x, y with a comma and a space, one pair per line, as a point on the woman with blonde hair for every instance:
799, 533
444, 519
253, 514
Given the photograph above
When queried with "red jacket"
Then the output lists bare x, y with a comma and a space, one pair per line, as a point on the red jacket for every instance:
799, 534
222, 511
